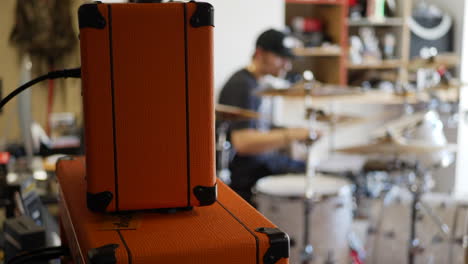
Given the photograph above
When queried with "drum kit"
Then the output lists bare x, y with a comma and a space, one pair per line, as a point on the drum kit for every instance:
418, 145
415, 143
325, 202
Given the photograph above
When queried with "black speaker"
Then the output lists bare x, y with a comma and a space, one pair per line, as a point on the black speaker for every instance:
429, 32
22, 234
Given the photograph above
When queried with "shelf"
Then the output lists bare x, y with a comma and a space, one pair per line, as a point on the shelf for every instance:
382, 65
318, 52
326, 62
387, 22
449, 60
317, 2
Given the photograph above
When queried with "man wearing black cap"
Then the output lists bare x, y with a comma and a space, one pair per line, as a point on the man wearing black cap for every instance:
254, 141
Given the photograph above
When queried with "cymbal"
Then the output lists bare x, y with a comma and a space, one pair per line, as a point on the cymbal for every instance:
322, 116
369, 97
397, 126
445, 59
394, 148
232, 113
323, 95
327, 93
338, 119
318, 90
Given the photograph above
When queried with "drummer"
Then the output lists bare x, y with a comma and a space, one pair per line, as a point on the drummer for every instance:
256, 143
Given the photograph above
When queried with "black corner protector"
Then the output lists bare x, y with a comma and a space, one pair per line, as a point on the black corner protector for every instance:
206, 195
103, 255
279, 244
203, 16
98, 202
90, 17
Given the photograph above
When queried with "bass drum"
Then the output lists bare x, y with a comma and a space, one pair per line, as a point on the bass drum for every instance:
388, 235
281, 199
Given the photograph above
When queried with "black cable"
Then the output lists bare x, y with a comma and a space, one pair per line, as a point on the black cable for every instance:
41, 254
67, 73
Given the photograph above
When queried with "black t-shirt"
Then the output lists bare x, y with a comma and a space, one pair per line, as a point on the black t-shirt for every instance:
241, 91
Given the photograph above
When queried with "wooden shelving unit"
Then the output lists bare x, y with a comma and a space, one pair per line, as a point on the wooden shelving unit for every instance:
332, 65
317, 2
319, 52
381, 65
387, 22
328, 64
397, 25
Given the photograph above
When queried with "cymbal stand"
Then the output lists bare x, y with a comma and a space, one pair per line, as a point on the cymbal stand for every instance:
417, 185
223, 147
307, 254
414, 246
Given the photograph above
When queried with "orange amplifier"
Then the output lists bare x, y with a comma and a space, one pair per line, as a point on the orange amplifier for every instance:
230, 231
147, 73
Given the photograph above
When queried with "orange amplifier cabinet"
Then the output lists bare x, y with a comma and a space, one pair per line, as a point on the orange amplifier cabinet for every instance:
230, 231
147, 73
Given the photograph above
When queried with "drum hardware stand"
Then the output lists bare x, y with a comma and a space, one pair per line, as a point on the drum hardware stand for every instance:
223, 146
307, 254
418, 186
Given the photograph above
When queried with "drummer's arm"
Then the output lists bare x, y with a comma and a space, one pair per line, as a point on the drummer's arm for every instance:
252, 142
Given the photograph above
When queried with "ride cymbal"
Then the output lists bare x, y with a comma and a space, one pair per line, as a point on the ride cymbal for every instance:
232, 113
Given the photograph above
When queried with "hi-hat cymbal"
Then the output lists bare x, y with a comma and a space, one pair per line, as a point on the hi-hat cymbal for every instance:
446, 59
232, 113
339, 119
322, 116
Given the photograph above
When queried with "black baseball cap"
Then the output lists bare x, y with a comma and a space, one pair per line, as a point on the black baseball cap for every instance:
276, 42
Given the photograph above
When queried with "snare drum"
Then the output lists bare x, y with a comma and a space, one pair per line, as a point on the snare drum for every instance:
281, 199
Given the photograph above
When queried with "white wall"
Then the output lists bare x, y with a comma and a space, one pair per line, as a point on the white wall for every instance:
461, 181
457, 9
237, 25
